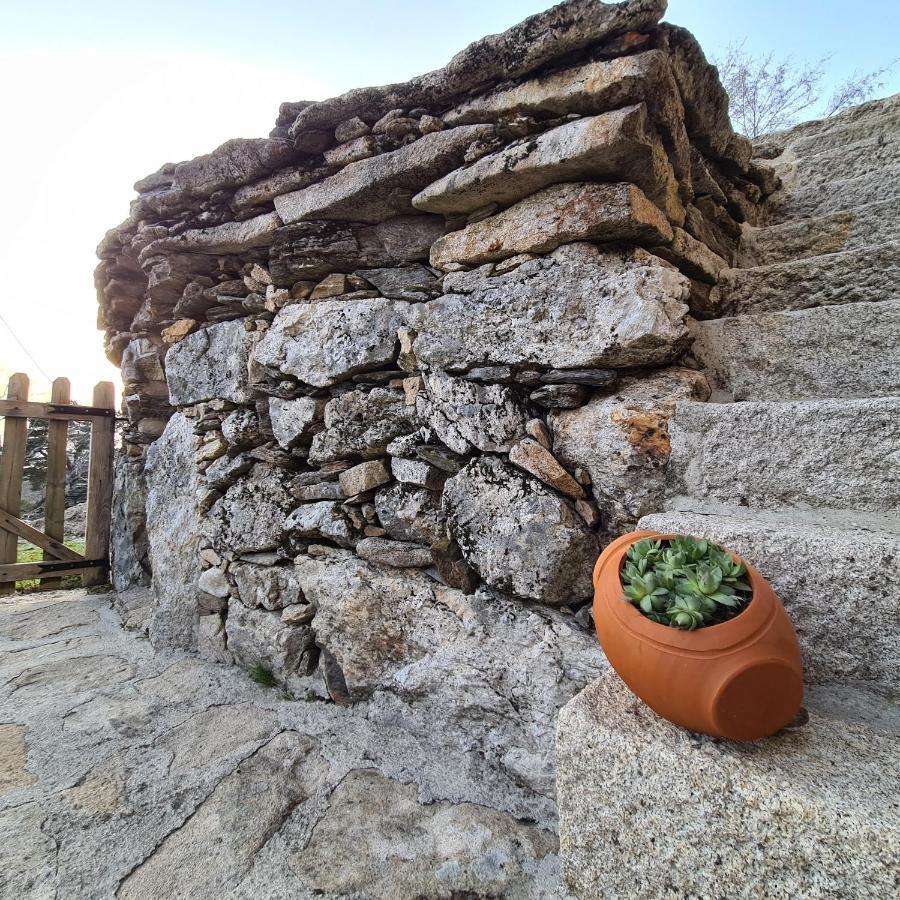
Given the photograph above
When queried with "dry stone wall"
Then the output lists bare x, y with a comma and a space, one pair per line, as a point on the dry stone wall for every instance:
396, 373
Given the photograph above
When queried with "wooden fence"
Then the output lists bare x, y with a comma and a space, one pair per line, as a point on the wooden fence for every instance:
58, 560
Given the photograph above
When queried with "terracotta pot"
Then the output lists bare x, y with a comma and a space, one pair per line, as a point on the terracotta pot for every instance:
741, 679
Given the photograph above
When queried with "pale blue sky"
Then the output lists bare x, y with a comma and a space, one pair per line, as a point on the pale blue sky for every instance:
97, 93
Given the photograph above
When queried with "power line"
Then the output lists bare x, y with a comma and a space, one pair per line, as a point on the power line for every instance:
24, 348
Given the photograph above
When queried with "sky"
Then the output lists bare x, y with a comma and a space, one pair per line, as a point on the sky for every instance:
96, 94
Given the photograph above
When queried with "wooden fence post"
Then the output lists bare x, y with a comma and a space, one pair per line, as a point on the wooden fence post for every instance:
12, 463
100, 484
55, 490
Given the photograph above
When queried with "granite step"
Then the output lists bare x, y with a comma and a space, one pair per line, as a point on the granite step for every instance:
650, 810
779, 356
848, 229
840, 194
852, 276
838, 455
837, 582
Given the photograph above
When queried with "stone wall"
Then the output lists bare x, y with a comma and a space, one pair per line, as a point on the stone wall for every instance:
395, 374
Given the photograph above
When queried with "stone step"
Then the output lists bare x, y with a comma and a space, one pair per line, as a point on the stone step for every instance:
857, 124
849, 351
849, 229
838, 455
837, 583
650, 810
868, 156
852, 276
843, 193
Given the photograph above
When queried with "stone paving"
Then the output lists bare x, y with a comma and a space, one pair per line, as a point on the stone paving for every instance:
132, 773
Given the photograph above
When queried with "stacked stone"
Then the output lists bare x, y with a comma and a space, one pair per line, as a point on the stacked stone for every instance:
435, 328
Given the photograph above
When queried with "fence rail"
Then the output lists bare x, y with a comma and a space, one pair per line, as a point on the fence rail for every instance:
16, 409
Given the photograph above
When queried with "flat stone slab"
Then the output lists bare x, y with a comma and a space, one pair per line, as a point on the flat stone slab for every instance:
215, 786
578, 308
619, 145
776, 818
811, 454
825, 352
557, 215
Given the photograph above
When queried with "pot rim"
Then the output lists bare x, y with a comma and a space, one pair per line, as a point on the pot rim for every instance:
742, 628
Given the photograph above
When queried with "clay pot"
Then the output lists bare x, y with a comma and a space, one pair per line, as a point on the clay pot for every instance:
741, 679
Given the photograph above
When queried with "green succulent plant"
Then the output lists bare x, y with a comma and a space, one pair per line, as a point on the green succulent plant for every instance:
685, 582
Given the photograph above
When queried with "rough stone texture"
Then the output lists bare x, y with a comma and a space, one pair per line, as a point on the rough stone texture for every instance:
562, 29
364, 477
174, 528
327, 342
293, 420
529, 455
779, 356
418, 472
259, 637
232, 237
622, 441
556, 215
129, 565
783, 815
393, 553
325, 519
853, 276
362, 424
250, 516
269, 587
413, 514
857, 581
519, 536
580, 307
824, 454
483, 852
618, 145
210, 364
466, 415
371, 190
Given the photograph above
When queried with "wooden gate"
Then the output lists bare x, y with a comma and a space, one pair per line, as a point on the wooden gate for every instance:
58, 559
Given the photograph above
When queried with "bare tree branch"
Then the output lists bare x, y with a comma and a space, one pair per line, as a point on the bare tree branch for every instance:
858, 88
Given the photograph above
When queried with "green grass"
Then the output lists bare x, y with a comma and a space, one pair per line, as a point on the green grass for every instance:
29, 554
262, 675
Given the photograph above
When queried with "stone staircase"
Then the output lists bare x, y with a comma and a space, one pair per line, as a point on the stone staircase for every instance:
795, 465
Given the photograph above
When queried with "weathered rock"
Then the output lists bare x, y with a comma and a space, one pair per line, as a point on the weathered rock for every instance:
214, 582
520, 537
375, 189
321, 490
579, 307
622, 440
779, 355
211, 364
241, 428
257, 637
361, 424
174, 529
250, 515
418, 472
605, 378
553, 216
352, 151
212, 640
537, 460
560, 396
453, 849
311, 250
805, 814
364, 477
226, 470
349, 129
819, 454
467, 415
325, 519
692, 257
403, 282
294, 420
524, 48
399, 554
230, 237
327, 342
142, 362
411, 514
619, 145
269, 587
128, 549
